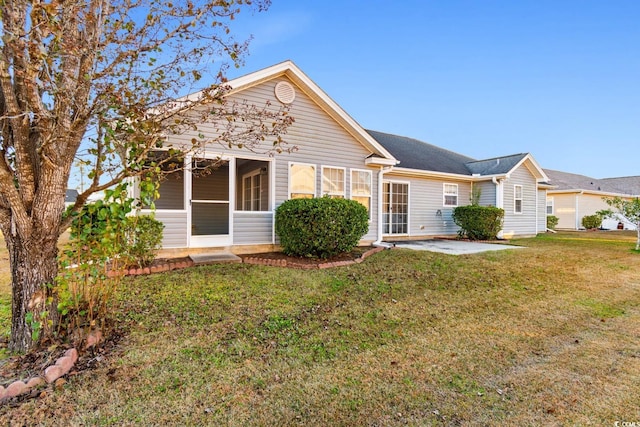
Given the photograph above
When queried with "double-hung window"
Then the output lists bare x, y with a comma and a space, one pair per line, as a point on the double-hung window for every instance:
450, 195
333, 182
517, 199
302, 181
549, 205
251, 191
361, 188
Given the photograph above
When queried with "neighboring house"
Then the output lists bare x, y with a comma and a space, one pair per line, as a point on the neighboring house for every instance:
70, 197
576, 196
409, 187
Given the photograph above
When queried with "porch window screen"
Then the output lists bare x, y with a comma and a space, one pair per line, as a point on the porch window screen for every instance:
450, 195
302, 181
361, 188
333, 182
517, 198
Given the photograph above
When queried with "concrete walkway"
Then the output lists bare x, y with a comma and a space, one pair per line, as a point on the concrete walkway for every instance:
452, 247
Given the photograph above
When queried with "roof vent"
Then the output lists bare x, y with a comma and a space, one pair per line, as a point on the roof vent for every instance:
285, 92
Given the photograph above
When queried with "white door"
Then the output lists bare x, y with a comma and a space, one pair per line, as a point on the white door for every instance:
210, 204
395, 208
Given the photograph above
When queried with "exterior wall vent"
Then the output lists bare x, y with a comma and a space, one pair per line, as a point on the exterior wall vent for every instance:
285, 92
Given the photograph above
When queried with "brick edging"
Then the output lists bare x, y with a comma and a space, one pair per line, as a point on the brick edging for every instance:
285, 263
60, 368
159, 268
168, 266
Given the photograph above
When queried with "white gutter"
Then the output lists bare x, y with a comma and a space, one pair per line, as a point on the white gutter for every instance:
378, 242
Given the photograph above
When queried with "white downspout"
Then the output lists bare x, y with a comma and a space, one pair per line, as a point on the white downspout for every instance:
378, 241
499, 198
537, 206
578, 210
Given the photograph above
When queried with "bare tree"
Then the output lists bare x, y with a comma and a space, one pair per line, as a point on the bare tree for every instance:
103, 77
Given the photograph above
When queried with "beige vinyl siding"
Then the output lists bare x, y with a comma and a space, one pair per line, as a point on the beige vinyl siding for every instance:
564, 207
318, 138
174, 234
426, 199
520, 224
252, 228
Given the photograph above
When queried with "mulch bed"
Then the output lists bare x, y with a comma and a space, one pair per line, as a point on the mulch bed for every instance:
281, 260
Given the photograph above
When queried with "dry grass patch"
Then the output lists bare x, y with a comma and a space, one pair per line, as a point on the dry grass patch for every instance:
542, 336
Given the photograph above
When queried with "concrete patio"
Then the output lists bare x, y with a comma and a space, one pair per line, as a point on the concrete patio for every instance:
452, 247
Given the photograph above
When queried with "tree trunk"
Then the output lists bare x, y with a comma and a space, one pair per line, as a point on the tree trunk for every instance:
34, 267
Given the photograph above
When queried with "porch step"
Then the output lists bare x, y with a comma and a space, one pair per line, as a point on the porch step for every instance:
214, 257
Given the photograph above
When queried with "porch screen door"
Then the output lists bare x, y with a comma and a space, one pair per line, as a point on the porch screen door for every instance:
395, 208
209, 204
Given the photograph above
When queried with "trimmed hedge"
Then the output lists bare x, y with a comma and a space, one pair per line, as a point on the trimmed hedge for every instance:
552, 222
320, 227
478, 222
591, 221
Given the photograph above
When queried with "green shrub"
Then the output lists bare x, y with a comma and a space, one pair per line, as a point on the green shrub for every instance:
320, 227
478, 222
591, 221
552, 222
143, 239
96, 246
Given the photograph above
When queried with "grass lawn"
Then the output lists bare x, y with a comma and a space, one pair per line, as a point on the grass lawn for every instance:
548, 335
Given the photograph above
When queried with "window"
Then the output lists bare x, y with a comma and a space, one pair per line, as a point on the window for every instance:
361, 188
517, 199
333, 182
549, 205
450, 194
302, 181
251, 191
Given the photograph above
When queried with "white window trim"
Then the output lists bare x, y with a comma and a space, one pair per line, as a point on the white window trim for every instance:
315, 177
546, 208
370, 187
444, 194
344, 181
244, 177
521, 198
408, 183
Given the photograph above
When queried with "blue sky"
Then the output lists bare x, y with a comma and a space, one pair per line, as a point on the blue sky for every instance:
559, 79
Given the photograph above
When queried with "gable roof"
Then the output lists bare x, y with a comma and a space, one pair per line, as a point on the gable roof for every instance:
288, 69
415, 154
565, 181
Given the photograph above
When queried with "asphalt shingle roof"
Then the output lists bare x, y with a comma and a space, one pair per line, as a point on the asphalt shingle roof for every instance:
70, 196
495, 166
571, 181
416, 154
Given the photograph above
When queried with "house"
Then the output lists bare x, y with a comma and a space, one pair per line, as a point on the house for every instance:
576, 196
410, 188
